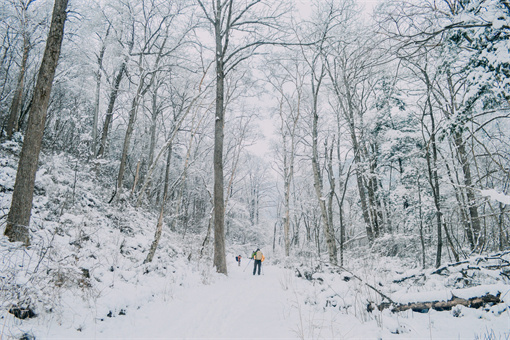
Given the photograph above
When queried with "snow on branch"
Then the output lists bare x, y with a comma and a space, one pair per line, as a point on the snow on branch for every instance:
496, 196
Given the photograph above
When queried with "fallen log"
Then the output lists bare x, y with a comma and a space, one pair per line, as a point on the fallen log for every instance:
440, 270
424, 307
408, 277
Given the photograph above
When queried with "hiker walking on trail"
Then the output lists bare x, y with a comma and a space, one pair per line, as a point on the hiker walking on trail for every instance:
258, 257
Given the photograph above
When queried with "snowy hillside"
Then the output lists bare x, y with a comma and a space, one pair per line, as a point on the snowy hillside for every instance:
84, 277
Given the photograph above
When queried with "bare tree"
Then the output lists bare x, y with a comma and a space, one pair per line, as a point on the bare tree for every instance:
330, 16
115, 92
99, 75
21, 205
142, 88
289, 112
226, 18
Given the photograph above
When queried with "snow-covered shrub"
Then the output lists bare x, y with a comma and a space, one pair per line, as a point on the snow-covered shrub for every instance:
397, 245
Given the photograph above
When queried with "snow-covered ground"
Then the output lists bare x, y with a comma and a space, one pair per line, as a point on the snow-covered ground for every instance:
238, 306
84, 277
276, 304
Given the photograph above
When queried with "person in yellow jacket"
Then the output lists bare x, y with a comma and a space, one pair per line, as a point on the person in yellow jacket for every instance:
258, 257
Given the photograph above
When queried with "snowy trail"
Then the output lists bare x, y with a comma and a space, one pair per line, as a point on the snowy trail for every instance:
238, 306
275, 305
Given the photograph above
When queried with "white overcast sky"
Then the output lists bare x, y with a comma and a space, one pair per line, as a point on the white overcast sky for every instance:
267, 125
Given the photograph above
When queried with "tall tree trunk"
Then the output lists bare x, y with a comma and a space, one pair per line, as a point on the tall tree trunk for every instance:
433, 177
503, 241
227, 18
15, 110
348, 112
109, 111
461, 202
95, 118
182, 179
340, 185
372, 202
129, 132
317, 178
167, 169
373, 189
219, 260
331, 194
287, 179
420, 216
361, 186
289, 130
154, 117
474, 229
474, 219
286, 184
18, 218
140, 92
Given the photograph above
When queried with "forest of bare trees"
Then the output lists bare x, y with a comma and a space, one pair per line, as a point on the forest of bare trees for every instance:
388, 132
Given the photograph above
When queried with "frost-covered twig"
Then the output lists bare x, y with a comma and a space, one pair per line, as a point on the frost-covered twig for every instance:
366, 284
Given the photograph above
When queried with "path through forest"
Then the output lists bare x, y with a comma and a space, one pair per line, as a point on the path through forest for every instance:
275, 305
238, 306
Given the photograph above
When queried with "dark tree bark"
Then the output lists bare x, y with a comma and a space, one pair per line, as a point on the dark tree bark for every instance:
287, 178
219, 121
154, 116
21, 205
420, 212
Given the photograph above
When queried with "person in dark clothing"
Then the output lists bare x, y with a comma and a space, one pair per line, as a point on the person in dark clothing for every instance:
258, 257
